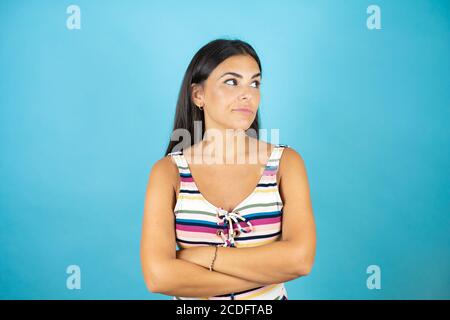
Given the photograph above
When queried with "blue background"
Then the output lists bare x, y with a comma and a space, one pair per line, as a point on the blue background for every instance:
84, 114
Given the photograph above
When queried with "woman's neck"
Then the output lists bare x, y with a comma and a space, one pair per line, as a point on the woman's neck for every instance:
227, 146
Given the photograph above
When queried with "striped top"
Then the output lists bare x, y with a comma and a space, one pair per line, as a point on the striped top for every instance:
255, 221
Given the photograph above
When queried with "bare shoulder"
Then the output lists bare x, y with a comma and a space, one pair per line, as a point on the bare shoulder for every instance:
165, 171
291, 163
160, 192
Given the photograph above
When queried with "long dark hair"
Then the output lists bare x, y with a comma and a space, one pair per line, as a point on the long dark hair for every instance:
199, 69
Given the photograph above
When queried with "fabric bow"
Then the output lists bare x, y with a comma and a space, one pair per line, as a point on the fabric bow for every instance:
230, 218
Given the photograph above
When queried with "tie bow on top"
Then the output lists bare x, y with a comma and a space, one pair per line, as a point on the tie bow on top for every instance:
229, 219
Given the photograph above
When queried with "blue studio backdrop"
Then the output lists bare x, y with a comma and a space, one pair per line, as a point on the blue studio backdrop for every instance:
87, 98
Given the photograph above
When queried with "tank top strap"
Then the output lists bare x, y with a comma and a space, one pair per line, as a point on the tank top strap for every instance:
182, 165
274, 160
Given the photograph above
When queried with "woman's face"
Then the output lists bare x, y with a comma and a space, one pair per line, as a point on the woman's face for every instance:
233, 84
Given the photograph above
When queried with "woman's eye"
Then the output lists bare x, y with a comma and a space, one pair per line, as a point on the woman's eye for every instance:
230, 80
234, 80
257, 84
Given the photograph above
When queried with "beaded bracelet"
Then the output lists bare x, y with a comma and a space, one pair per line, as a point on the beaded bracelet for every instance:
214, 259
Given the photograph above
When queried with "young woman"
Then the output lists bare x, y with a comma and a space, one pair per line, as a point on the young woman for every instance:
243, 228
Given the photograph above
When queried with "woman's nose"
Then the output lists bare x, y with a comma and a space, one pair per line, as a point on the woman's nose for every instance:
246, 93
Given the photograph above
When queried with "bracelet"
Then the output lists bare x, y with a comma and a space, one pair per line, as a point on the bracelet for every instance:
214, 259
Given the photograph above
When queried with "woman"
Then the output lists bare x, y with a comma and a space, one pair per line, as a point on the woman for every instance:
243, 228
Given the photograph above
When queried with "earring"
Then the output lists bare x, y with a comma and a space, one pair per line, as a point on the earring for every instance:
200, 107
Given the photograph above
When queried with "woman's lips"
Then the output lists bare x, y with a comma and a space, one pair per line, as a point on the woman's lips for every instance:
244, 110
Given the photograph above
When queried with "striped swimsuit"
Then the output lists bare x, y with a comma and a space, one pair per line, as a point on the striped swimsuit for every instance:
256, 221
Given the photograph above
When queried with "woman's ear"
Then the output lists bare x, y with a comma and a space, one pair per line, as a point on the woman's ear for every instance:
197, 96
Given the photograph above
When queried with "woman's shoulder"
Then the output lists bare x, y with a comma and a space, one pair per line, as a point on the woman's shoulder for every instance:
165, 164
291, 160
288, 151
166, 170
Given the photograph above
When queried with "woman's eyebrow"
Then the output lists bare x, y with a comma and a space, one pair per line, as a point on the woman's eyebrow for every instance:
238, 75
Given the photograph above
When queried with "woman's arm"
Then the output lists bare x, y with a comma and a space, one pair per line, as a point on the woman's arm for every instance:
163, 273
180, 278
278, 261
267, 264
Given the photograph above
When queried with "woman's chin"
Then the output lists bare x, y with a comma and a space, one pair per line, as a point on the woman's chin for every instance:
241, 125
242, 122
